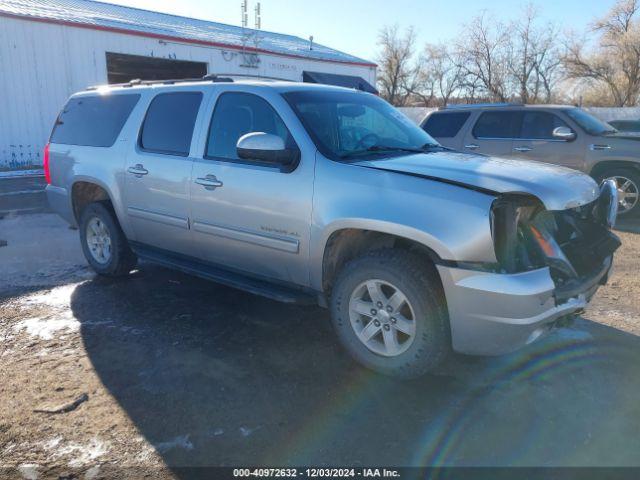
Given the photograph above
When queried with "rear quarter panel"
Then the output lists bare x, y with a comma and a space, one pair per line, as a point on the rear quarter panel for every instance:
103, 166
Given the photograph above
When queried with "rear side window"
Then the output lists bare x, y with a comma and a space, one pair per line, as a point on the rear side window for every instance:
237, 114
445, 125
168, 125
94, 121
496, 125
540, 125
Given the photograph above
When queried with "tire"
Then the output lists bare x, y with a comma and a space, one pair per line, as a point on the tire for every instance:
621, 175
120, 260
397, 271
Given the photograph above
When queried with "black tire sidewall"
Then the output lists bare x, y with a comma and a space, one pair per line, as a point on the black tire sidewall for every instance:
119, 246
431, 342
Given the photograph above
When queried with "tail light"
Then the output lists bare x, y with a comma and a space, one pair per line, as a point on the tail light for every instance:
45, 164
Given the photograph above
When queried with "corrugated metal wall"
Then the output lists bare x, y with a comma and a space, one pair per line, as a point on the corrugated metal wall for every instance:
42, 64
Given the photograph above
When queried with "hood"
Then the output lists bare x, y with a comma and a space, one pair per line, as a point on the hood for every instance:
558, 188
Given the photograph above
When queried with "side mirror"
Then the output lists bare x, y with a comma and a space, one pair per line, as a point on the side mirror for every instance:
564, 133
267, 148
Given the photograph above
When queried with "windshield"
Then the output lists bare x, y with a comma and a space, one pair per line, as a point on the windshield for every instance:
347, 125
589, 123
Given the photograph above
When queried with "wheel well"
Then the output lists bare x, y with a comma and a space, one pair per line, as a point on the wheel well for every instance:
347, 244
84, 193
602, 167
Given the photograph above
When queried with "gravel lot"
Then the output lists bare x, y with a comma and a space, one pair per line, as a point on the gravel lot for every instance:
180, 372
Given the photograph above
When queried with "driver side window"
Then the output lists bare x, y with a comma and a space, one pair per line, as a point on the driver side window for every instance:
237, 114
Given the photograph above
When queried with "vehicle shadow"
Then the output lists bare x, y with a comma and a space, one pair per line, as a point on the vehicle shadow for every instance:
212, 376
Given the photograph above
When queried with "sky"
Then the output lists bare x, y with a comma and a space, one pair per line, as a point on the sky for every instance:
352, 26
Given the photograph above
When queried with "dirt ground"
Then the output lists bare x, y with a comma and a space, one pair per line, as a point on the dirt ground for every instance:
179, 372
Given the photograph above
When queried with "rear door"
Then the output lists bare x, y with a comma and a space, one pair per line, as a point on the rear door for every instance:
535, 140
445, 126
158, 172
492, 132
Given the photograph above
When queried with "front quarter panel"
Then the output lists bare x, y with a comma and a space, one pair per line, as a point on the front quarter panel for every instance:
450, 220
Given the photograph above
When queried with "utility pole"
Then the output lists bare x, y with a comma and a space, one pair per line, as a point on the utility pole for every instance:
258, 17
243, 12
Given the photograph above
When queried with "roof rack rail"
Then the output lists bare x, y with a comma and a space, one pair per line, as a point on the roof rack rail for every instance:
483, 105
136, 81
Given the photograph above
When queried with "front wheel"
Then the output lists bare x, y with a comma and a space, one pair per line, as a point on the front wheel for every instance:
389, 312
103, 242
628, 183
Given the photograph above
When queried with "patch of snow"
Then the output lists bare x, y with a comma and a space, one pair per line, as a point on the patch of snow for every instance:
246, 431
52, 443
92, 473
29, 471
48, 328
58, 297
84, 454
181, 441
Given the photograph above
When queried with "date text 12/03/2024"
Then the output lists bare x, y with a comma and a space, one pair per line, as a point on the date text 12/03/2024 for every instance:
316, 473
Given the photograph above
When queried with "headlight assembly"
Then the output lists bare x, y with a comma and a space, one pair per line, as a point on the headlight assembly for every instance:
510, 219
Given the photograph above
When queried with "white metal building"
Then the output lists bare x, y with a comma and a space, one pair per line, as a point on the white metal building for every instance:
52, 48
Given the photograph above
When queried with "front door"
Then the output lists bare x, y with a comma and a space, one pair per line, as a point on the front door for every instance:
158, 173
245, 215
535, 141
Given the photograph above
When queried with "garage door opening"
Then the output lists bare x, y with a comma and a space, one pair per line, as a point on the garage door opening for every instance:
122, 68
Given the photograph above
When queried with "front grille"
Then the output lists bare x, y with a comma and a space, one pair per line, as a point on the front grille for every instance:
584, 239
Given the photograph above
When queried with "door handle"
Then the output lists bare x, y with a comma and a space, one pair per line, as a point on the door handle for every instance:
600, 147
523, 149
138, 170
210, 182
472, 146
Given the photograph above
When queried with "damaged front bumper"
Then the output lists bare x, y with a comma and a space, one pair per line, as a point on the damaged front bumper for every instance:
550, 263
496, 313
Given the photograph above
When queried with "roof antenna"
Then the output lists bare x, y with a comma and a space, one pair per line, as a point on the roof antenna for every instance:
311, 42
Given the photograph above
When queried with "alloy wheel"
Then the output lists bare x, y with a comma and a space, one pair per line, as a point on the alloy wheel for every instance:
627, 193
99, 240
382, 317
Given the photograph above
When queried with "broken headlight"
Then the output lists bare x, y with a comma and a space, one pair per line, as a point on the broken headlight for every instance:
511, 216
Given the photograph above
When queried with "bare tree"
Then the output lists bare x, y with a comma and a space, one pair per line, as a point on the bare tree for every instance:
421, 85
482, 55
444, 72
615, 60
396, 72
533, 58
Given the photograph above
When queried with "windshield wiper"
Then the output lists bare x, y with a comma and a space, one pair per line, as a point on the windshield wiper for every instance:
388, 148
433, 146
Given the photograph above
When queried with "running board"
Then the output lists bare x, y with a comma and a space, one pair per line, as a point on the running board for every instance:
264, 288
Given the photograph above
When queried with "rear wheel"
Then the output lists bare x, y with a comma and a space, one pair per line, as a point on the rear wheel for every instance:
628, 183
103, 242
389, 312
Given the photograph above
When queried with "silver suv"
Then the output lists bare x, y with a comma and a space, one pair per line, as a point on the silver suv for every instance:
559, 134
317, 194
